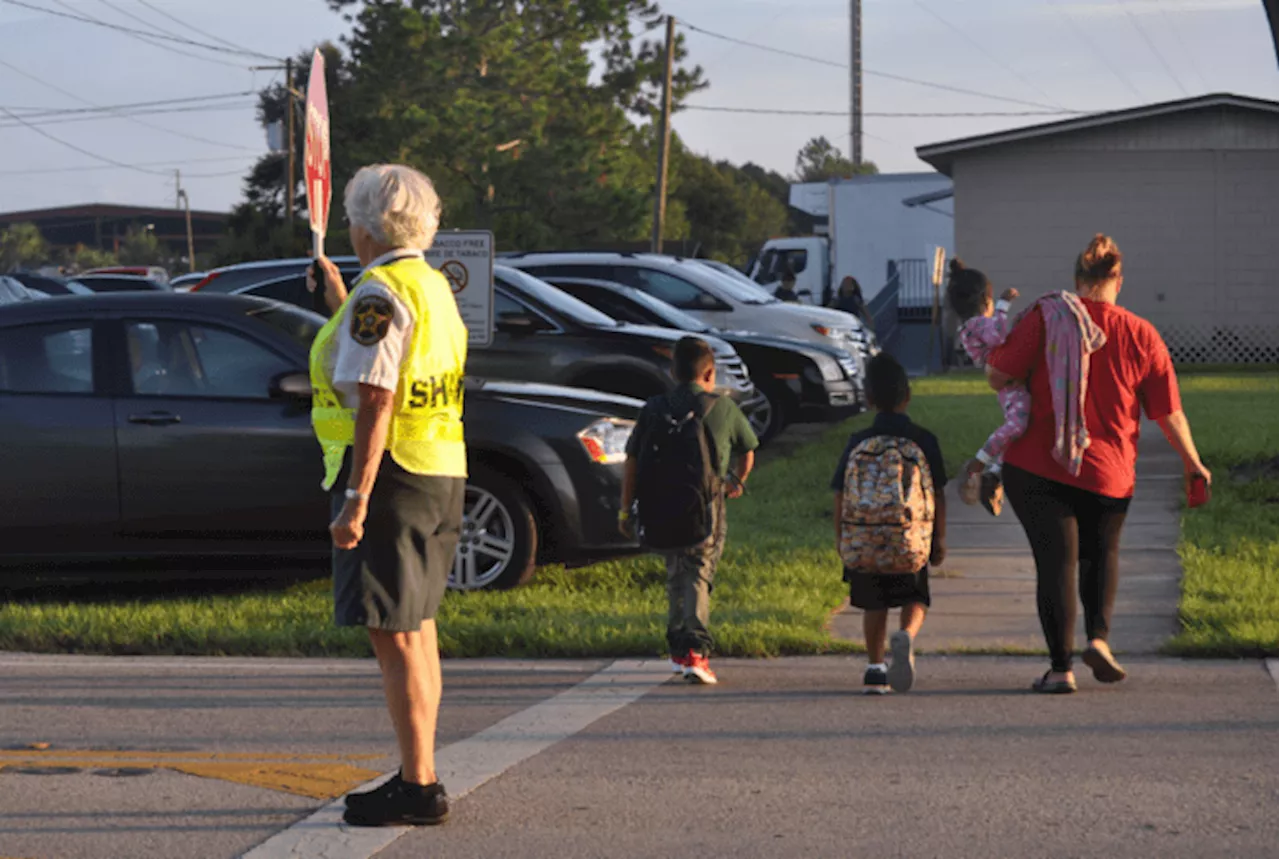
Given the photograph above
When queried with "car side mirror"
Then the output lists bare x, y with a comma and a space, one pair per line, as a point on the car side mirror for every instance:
709, 302
519, 324
291, 386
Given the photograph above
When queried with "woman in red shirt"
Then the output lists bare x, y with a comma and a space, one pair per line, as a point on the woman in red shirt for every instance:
1075, 520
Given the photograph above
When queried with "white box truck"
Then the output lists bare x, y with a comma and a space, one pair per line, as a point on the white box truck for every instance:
871, 221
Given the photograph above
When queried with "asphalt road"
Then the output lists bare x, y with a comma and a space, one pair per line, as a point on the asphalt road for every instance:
203, 758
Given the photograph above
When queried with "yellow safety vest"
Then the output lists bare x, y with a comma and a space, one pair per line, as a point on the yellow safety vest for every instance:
426, 424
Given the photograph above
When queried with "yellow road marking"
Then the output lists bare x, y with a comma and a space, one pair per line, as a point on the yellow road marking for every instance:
10, 755
312, 776
317, 781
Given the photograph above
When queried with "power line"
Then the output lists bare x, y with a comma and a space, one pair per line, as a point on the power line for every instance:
128, 14
38, 112
92, 167
150, 41
1098, 52
176, 39
1137, 25
195, 137
38, 130
219, 175
865, 70
129, 115
1186, 52
190, 27
962, 34
883, 115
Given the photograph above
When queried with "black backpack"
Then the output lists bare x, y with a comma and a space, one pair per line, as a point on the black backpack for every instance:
676, 484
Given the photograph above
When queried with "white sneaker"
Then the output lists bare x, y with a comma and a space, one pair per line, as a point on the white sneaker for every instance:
902, 666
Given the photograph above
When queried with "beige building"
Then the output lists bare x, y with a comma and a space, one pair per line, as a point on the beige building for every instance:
1187, 188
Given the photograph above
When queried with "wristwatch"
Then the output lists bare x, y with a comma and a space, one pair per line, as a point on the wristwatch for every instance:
355, 495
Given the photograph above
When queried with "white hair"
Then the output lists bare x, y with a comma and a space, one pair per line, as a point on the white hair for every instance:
396, 204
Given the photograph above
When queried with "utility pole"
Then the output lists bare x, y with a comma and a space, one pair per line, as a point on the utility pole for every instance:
289, 184
664, 143
183, 201
855, 82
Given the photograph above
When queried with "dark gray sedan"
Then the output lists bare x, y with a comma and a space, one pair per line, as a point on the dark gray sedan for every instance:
139, 425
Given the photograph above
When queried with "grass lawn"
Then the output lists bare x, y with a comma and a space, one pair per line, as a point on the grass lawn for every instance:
1228, 548
777, 584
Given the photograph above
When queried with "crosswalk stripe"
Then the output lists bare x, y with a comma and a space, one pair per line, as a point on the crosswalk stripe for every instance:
468, 764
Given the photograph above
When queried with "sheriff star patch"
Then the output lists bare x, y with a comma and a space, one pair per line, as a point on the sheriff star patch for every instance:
371, 319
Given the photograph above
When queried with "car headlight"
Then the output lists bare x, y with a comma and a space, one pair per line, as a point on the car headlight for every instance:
605, 441
829, 367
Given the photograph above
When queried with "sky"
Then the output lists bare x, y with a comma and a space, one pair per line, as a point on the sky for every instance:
1035, 55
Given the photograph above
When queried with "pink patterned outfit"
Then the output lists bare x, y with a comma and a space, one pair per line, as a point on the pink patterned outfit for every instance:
979, 336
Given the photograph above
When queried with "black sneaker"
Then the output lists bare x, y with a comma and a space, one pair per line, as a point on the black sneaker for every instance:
875, 682
371, 798
399, 803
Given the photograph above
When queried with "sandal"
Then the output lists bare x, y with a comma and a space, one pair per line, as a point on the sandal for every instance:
1056, 687
1104, 665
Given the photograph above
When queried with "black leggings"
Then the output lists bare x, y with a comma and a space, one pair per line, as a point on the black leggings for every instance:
1067, 527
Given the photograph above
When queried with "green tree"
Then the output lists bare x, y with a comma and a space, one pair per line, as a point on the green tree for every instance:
141, 247
21, 246
498, 103
82, 257
727, 213
820, 160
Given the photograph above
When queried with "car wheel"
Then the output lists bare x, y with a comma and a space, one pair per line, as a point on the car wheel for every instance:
498, 546
769, 417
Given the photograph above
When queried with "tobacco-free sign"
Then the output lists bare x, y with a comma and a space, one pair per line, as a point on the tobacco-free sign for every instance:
465, 258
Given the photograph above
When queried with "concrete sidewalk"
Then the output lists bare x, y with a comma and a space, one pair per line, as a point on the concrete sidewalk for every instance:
984, 596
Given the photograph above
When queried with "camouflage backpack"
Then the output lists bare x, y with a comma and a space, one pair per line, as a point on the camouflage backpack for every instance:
887, 521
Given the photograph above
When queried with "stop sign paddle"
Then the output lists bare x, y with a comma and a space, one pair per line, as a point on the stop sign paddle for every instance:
316, 154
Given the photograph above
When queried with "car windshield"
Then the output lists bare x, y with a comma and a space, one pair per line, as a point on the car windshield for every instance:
558, 300
300, 325
673, 316
742, 288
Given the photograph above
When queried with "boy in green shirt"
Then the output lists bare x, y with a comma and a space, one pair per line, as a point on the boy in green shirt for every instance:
730, 442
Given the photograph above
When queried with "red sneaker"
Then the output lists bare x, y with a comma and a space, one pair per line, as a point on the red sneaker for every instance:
679, 664
699, 670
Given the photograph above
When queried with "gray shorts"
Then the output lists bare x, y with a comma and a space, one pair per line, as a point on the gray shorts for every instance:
396, 577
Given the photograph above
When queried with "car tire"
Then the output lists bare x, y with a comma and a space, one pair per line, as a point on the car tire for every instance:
498, 546
771, 417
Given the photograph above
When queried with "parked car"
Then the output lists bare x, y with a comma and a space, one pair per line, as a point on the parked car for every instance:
187, 282
799, 380
121, 283
232, 278
151, 272
49, 284
717, 299
542, 334
162, 426
12, 291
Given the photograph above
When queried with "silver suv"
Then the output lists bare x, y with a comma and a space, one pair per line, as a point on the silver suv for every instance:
712, 296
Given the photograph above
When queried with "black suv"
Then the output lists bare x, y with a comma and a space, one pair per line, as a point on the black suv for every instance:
542, 334
799, 381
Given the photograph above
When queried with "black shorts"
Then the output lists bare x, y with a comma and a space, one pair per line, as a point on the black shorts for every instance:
877, 591
396, 577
